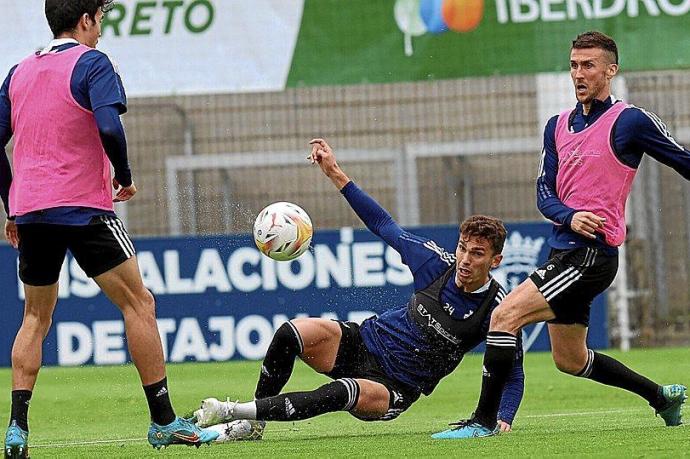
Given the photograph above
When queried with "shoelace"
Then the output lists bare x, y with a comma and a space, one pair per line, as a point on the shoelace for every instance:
462, 423
230, 413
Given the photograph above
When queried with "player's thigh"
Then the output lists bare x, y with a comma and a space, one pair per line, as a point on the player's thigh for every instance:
40, 303
42, 250
524, 305
373, 402
321, 340
124, 287
571, 279
569, 346
101, 245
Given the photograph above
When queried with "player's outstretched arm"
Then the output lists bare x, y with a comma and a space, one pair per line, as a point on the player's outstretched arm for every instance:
375, 217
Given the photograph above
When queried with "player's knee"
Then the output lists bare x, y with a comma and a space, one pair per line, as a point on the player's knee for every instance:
504, 319
569, 363
146, 304
375, 403
288, 338
37, 322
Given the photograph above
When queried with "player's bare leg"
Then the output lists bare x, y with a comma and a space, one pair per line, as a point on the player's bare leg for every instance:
319, 344
314, 340
374, 400
124, 287
321, 339
569, 347
26, 363
364, 398
570, 353
27, 349
522, 306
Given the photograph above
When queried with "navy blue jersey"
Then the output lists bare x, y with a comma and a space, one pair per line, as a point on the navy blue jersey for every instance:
635, 133
97, 87
393, 337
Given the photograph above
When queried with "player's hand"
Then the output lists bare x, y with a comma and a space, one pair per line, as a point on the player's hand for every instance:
322, 154
124, 193
587, 224
11, 233
504, 427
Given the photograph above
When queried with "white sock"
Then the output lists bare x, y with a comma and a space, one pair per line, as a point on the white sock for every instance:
246, 410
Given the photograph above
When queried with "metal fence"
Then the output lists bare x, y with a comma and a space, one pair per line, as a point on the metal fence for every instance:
431, 152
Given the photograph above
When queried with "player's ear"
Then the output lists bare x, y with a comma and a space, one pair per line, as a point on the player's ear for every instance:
611, 71
85, 21
496, 260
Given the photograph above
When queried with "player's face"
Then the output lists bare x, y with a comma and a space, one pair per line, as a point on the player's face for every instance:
475, 258
591, 70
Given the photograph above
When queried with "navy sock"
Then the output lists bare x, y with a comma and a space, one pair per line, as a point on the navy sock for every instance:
339, 395
607, 370
279, 361
157, 396
20, 408
499, 359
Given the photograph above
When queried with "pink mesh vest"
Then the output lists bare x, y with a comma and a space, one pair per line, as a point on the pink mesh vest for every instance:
590, 176
58, 158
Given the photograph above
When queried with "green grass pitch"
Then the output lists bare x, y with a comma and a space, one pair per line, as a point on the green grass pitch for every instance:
101, 412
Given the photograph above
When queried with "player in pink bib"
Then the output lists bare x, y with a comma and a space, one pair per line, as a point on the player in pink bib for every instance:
589, 162
63, 106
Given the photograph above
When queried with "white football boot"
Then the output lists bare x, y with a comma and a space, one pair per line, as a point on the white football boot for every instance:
213, 412
240, 430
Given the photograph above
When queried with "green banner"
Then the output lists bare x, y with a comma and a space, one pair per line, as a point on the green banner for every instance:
361, 41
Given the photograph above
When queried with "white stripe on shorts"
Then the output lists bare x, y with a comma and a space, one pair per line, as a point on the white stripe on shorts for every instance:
562, 279
118, 236
124, 233
563, 285
556, 279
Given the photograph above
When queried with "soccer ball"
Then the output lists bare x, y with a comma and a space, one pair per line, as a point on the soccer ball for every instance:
283, 231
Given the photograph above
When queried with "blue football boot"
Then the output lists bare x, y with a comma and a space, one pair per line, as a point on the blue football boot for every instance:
179, 432
675, 397
16, 442
468, 428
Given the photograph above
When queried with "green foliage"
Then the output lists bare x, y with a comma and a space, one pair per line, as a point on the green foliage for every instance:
83, 412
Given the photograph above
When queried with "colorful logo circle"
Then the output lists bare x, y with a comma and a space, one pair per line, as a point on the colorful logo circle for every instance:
417, 17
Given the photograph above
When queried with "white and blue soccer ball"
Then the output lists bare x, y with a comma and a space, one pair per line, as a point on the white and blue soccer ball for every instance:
283, 231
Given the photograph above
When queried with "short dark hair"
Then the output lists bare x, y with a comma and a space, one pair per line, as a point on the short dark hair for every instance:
485, 227
63, 15
594, 39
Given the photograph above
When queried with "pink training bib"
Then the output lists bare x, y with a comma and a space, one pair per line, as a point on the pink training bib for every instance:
590, 176
58, 157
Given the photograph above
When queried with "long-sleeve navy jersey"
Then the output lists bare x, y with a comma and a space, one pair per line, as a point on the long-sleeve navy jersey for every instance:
95, 86
393, 337
636, 132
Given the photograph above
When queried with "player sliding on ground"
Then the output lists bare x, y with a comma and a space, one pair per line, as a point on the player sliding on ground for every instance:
383, 366
590, 158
